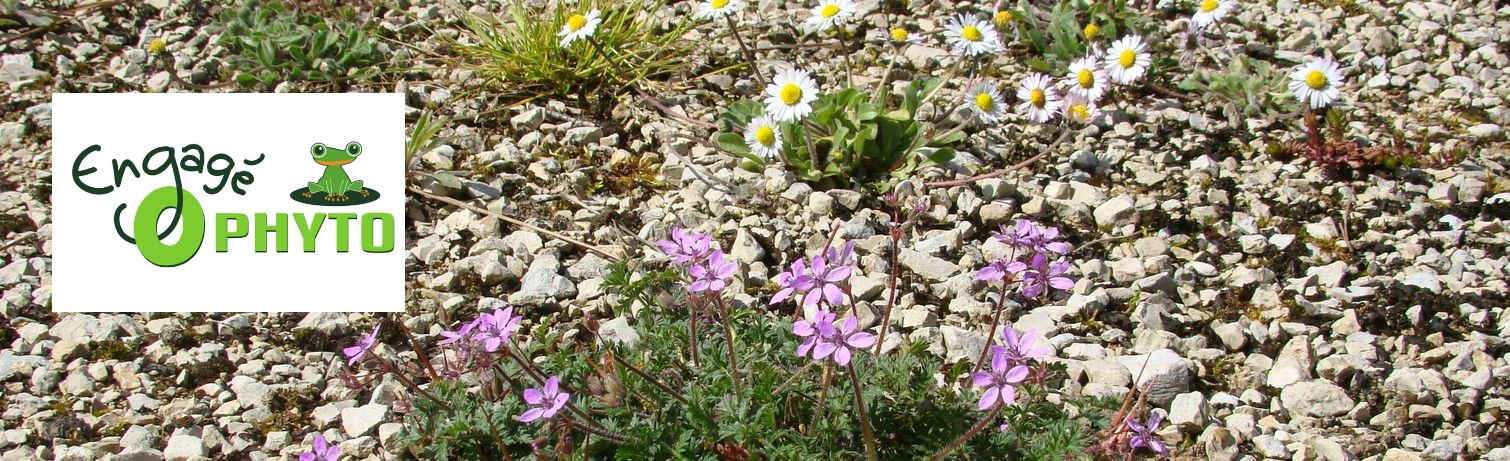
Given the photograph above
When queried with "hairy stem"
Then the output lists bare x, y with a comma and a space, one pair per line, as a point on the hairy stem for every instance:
1001, 301
828, 377
692, 330
891, 283
979, 425
729, 339
646, 376
870, 437
388, 366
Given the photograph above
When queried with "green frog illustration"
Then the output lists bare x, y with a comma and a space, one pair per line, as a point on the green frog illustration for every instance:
335, 183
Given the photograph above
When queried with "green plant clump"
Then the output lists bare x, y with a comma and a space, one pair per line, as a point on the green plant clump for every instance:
664, 404
272, 42
519, 51
850, 136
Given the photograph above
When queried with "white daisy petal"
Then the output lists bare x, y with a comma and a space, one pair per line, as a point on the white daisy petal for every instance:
1086, 78
790, 95
579, 26
1208, 12
763, 136
714, 9
1040, 101
983, 99
1317, 83
830, 13
1127, 59
972, 36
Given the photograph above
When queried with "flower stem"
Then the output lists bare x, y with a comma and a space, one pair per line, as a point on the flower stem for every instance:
410, 384
749, 56
891, 284
979, 425
870, 437
985, 351
646, 376
692, 331
828, 377
729, 337
598, 431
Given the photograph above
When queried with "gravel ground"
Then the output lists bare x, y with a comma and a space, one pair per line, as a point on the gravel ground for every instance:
1284, 313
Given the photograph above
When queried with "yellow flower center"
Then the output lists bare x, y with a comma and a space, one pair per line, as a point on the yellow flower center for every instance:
972, 33
830, 10
899, 34
765, 135
1037, 97
791, 94
720, 4
1079, 111
1086, 79
576, 22
1316, 80
1127, 59
985, 102
157, 46
1208, 6
1003, 17
1092, 30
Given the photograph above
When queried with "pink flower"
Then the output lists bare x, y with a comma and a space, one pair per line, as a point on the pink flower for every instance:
494, 330
712, 274
814, 332
1011, 272
1019, 349
1027, 235
322, 450
1143, 435
1042, 276
1000, 380
686, 248
362, 347
826, 279
794, 283
848, 340
544, 402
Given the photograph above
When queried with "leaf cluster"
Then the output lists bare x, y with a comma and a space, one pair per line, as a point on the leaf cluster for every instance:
271, 42
850, 136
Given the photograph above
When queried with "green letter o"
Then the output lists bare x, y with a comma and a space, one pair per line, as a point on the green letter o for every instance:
145, 227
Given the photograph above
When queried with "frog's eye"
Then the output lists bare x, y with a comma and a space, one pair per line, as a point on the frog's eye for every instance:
354, 149
318, 150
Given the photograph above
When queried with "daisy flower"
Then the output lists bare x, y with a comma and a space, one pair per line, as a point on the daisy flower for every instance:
1317, 83
972, 36
579, 27
1040, 101
901, 36
790, 95
763, 137
714, 9
1211, 11
830, 13
985, 101
1127, 59
1080, 110
1003, 18
1086, 78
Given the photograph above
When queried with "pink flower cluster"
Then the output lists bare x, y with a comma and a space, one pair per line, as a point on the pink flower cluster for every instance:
1038, 275
1009, 367
707, 266
822, 338
817, 280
